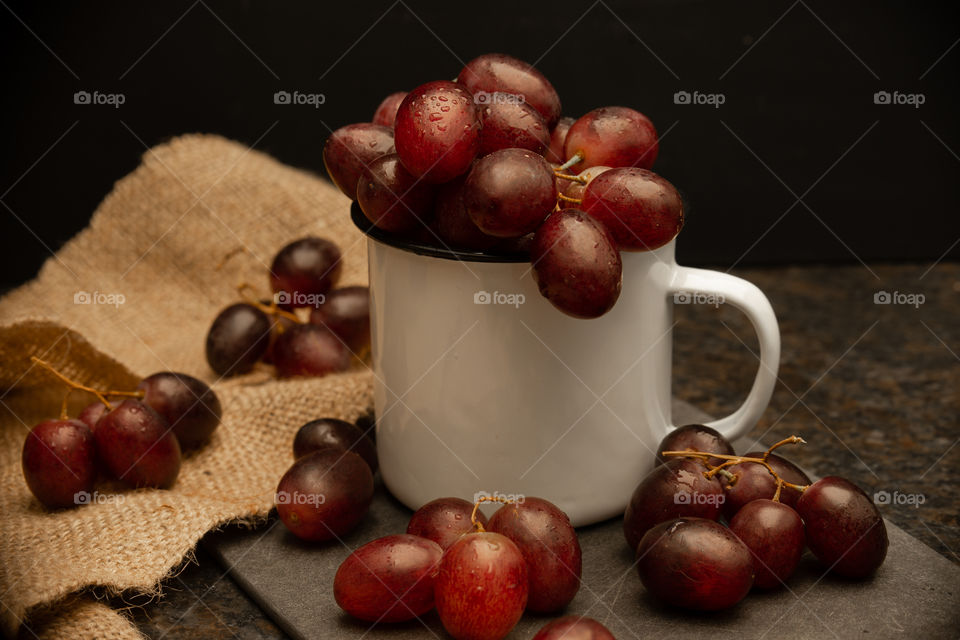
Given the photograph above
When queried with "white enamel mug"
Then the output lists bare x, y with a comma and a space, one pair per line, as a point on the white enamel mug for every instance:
482, 385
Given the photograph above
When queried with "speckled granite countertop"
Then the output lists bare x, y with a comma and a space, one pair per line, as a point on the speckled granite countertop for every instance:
873, 388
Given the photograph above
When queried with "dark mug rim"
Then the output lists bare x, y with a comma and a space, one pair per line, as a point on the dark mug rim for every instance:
412, 246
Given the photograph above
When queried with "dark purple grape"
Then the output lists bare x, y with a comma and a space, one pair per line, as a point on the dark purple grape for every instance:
697, 437
338, 434
138, 446
59, 462
189, 406
91, 414
844, 528
392, 198
309, 350
454, 225
642, 210
438, 131
325, 494
753, 481
576, 264
509, 123
774, 534
695, 563
238, 338
612, 136
390, 579
550, 546
672, 490
303, 271
346, 312
386, 113
444, 520
557, 138
509, 192
573, 628
350, 149
496, 72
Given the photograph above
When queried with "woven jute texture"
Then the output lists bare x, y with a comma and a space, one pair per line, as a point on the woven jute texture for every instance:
148, 264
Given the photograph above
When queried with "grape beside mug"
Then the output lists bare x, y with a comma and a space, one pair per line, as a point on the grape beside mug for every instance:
481, 384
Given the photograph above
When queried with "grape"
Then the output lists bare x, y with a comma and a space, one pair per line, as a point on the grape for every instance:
508, 123
574, 189
351, 148
325, 494
389, 579
481, 589
189, 406
695, 563
576, 264
138, 446
444, 520
574, 628
844, 528
238, 338
279, 324
309, 350
391, 197
346, 312
558, 136
612, 136
754, 481
697, 437
509, 192
59, 461
91, 414
454, 226
386, 113
774, 534
438, 131
549, 544
496, 72
303, 271
642, 210
339, 434
672, 490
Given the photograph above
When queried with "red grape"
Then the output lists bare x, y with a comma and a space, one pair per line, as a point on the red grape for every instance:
392, 198
454, 225
92, 413
672, 490
481, 589
59, 461
642, 210
574, 189
496, 72
389, 579
386, 113
189, 406
303, 271
612, 136
844, 528
438, 131
338, 434
557, 138
753, 482
444, 520
697, 437
325, 494
309, 350
573, 628
346, 312
138, 446
774, 534
549, 544
576, 264
509, 192
238, 338
351, 148
511, 124
695, 563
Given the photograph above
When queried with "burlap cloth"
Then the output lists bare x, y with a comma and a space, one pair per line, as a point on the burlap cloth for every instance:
157, 240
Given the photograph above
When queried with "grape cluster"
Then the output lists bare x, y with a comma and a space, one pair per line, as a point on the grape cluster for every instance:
138, 441
487, 163
686, 558
303, 278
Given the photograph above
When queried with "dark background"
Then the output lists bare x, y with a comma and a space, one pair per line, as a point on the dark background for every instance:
878, 182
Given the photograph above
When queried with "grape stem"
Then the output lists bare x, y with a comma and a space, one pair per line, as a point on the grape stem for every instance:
270, 309
476, 506
74, 385
574, 159
560, 196
568, 176
729, 460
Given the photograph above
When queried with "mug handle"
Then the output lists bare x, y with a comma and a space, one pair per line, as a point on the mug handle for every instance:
749, 299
